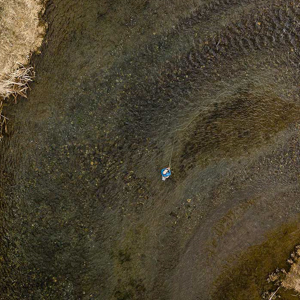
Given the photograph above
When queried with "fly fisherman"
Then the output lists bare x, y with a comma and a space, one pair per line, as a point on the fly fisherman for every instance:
165, 173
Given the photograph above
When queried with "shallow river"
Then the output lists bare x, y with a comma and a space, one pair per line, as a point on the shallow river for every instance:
122, 90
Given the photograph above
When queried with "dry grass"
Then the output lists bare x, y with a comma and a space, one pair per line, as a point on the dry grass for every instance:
289, 280
21, 33
292, 278
16, 82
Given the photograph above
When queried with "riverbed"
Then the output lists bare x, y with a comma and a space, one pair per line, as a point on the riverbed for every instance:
122, 90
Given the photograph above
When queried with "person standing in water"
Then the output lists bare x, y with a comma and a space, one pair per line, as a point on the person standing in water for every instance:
165, 173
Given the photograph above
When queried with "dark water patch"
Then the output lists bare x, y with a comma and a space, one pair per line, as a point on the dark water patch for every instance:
244, 122
169, 90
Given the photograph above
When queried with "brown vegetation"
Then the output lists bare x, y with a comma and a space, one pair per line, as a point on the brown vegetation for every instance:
292, 279
289, 280
21, 33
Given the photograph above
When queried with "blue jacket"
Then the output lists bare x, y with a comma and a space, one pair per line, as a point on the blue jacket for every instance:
167, 174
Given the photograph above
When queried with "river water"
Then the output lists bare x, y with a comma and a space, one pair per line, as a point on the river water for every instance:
122, 90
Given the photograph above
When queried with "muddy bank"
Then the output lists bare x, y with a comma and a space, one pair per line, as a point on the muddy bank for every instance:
84, 212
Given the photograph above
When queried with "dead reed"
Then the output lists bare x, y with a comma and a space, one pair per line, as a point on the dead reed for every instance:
21, 34
11, 86
288, 280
